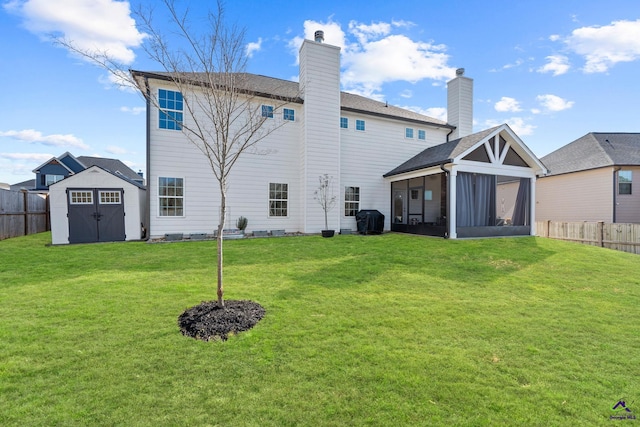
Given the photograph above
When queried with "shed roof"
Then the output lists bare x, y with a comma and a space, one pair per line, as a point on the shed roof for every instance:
595, 150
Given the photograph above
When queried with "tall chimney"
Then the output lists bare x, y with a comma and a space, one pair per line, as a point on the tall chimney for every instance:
460, 104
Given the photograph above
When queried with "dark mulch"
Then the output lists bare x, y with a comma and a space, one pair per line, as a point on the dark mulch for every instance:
206, 321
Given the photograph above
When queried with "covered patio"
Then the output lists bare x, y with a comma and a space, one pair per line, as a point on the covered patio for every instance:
481, 185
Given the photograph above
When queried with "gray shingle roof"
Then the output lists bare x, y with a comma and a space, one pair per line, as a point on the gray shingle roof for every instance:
273, 87
595, 150
441, 154
114, 166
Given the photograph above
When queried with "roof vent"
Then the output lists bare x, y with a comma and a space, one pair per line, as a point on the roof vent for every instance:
319, 36
460, 72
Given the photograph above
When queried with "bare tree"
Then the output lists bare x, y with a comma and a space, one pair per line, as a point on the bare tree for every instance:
224, 119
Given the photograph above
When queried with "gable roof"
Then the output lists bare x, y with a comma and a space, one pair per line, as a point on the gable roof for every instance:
595, 150
456, 150
93, 168
264, 86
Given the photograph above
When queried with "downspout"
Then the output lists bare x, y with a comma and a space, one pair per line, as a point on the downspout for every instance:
447, 138
615, 191
148, 157
447, 177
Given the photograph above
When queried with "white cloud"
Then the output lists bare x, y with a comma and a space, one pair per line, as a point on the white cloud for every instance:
603, 47
517, 124
507, 104
553, 103
253, 47
406, 93
103, 26
55, 140
558, 64
36, 157
439, 113
114, 149
373, 55
135, 110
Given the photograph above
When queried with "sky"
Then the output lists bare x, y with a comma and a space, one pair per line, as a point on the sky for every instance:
553, 70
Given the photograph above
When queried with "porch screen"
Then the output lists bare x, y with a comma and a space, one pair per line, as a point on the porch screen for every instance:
476, 200
521, 209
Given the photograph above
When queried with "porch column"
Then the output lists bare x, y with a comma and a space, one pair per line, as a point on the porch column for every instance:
532, 207
452, 203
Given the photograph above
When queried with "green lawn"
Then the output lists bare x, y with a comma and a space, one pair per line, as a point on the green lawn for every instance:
360, 330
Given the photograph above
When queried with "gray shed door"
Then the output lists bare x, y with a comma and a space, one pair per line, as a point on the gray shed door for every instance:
96, 215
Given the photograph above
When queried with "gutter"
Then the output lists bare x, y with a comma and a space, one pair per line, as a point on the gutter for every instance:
615, 192
147, 96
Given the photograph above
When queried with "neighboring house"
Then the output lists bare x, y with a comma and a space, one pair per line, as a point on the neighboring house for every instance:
58, 168
594, 178
96, 205
29, 184
427, 176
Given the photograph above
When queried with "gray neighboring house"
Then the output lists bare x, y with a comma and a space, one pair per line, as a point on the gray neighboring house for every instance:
594, 178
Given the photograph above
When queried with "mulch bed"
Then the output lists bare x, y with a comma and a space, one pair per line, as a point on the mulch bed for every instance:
207, 321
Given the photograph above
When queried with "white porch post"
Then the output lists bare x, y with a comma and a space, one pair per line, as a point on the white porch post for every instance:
452, 203
532, 207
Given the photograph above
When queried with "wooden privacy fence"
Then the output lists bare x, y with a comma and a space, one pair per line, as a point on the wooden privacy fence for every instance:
621, 237
23, 213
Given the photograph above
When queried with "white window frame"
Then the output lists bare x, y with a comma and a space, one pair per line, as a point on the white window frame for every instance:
284, 188
408, 133
109, 197
289, 114
351, 203
266, 111
81, 197
175, 197
422, 135
360, 122
346, 122
50, 179
625, 183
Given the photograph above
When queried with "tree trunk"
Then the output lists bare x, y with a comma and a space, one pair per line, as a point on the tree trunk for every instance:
223, 214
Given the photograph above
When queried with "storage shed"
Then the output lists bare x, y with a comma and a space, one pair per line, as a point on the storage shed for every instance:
95, 205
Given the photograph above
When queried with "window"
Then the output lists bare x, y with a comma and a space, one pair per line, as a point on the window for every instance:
170, 112
267, 111
422, 134
51, 179
171, 196
408, 133
624, 182
289, 114
278, 199
360, 125
351, 201
81, 197
109, 197
344, 123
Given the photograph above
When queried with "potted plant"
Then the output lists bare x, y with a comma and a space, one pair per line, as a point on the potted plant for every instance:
327, 200
241, 224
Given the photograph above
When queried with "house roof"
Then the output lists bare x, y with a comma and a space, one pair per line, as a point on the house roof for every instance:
112, 165
27, 185
441, 154
595, 150
284, 89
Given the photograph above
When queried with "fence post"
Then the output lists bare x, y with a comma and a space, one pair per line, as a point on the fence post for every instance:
548, 227
25, 202
601, 233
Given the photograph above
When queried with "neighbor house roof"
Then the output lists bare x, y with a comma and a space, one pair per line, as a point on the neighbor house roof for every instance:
284, 89
27, 185
441, 154
595, 150
114, 166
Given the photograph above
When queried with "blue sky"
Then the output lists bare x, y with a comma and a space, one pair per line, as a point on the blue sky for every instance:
553, 70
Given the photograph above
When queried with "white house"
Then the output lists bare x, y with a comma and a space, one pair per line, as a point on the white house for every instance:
96, 205
425, 175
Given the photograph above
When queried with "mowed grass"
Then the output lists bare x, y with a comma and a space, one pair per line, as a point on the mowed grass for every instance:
360, 330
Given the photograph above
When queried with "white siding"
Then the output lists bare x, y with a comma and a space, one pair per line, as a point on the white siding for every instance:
460, 106
578, 196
